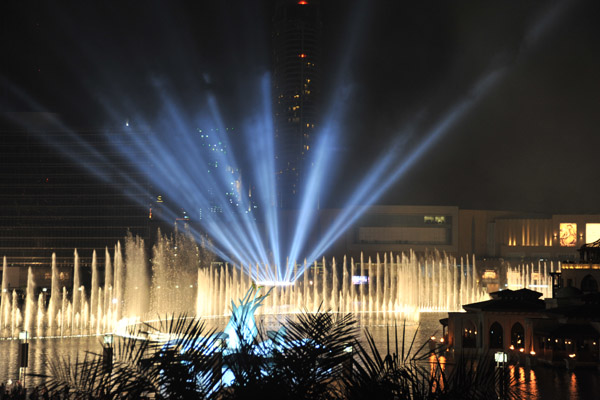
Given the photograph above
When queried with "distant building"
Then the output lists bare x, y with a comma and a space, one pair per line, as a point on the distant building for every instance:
563, 330
397, 228
228, 193
225, 193
488, 234
585, 274
296, 81
231, 190
517, 235
62, 190
560, 330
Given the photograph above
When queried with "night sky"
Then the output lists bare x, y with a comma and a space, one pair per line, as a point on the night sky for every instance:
530, 142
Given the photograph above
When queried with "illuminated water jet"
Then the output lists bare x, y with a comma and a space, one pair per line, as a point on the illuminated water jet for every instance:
390, 287
399, 286
532, 276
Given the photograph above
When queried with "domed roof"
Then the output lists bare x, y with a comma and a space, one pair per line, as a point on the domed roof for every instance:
568, 292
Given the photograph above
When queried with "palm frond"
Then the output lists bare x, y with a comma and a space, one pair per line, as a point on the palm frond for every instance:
187, 366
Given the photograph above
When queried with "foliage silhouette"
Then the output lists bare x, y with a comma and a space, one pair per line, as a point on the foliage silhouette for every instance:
308, 358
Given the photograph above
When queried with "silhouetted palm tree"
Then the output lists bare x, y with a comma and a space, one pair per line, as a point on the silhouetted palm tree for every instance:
423, 375
308, 358
187, 367
306, 362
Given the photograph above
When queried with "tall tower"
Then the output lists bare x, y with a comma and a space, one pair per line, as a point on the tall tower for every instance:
296, 74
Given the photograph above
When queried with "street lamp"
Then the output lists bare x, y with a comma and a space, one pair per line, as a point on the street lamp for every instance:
23, 356
107, 353
501, 358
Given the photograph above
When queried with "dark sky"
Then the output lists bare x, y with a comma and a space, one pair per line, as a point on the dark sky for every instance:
528, 142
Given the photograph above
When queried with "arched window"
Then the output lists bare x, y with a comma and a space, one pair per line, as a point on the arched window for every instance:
469, 337
589, 284
496, 336
517, 336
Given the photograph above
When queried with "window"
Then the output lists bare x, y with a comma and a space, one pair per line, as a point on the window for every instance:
434, 219
589, 284
517, 336
496, 336
469, 339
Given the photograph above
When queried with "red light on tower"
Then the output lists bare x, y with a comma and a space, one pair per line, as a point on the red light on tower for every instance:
302, 55
303, 3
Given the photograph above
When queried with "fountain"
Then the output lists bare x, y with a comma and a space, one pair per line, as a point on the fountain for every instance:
180, 281
399, 286
531, 276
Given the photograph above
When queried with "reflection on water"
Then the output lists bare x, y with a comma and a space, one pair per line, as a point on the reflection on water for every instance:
533, 389
539, 383
416, 334
40, 351
525, 380
558, 383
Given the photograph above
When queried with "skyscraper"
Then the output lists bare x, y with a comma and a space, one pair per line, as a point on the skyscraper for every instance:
62, 190
229, 193
296, 74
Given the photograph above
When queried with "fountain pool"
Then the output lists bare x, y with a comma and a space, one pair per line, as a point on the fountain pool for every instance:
181, 280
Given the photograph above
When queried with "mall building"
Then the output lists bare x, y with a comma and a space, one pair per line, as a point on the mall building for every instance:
490, 235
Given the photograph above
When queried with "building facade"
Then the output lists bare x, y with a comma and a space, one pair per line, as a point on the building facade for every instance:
62, 190
490, 235
562, 331
525, 236
296, 74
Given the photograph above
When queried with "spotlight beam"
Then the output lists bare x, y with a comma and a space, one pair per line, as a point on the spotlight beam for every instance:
367, 197
177, 157
261, 141
481, 87
306, 216
336, 109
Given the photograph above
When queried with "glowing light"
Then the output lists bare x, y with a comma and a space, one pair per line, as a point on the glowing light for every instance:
592, 232
235, 234
500, 357
274, 283
532, 353
572, 355
568, 234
